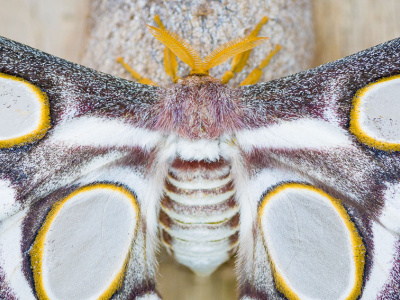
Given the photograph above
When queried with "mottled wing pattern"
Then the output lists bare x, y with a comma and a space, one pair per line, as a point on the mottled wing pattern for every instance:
322, 147
73, 157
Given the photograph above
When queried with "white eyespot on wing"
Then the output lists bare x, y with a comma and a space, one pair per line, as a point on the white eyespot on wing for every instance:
24, 112
313, 245
375, 116
8, 204
84, 243
102, 132
299, 134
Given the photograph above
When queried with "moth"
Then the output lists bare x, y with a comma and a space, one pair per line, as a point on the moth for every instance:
299, 175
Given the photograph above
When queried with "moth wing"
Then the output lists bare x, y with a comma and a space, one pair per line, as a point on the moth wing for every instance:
323, 147
74, 149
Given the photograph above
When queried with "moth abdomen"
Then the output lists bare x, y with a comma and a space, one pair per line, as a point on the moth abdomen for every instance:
199, 216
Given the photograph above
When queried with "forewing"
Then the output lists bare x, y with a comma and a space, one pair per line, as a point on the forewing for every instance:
331, 132
74, 158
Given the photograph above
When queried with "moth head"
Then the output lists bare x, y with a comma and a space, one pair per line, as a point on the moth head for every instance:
191, 57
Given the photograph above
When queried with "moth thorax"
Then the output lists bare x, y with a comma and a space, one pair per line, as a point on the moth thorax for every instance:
198, 107
199, 216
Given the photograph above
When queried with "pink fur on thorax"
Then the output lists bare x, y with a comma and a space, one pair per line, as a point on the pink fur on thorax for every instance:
198, 107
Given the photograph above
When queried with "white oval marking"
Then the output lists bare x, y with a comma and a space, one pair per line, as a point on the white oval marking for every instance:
375, 117
315, 249
84, 243
102, 132
297, 134
24, 112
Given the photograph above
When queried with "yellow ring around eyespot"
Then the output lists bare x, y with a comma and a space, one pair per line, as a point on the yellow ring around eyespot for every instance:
36, 252
355, 126
44, 123
356, 241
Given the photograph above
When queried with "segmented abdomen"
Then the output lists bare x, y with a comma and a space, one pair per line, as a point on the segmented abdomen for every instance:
199, 216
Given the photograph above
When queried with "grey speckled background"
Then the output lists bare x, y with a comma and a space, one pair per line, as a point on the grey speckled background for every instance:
118, 28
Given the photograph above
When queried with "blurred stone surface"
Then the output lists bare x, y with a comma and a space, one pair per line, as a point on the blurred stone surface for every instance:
118, 28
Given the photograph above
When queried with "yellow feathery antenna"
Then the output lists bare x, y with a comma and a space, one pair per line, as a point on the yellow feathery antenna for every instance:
255, 75
232, 48
170, 62
239, 60
175, 46
191, 57
135, 74
179, 47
